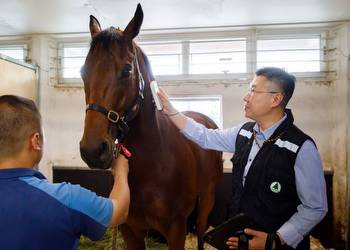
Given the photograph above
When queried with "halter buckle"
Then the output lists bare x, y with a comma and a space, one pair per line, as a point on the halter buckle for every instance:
113, 116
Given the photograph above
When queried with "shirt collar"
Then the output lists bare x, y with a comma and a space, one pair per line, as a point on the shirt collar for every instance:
19, 172
268, 132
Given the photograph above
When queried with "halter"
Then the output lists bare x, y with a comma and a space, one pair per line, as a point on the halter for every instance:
114, 117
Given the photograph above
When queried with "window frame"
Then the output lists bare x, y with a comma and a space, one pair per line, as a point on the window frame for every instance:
24, 46
301, 33
182, 55
250, 34
60, 57
186, 38
203, 97
193, 41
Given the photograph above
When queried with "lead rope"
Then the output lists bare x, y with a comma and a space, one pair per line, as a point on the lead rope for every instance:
114, 237
119, 148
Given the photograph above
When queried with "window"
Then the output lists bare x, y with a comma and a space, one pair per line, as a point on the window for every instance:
210, 106
294, 55
221, 55
165, 58
197, 57
72, 59
217, 57
18, 52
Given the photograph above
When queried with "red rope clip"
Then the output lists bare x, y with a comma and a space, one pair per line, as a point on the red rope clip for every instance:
123, 150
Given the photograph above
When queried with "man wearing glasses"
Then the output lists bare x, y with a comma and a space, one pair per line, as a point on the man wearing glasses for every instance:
278, 178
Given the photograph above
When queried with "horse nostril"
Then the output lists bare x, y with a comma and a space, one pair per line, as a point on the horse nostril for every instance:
96, 155
102, 148
104, 151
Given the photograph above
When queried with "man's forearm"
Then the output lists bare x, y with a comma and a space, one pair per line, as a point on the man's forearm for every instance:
120, 194
178, 119
175, 116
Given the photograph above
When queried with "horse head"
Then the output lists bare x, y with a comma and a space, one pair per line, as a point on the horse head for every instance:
113, 88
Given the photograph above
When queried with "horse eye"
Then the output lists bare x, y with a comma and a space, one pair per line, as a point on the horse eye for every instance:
126, 71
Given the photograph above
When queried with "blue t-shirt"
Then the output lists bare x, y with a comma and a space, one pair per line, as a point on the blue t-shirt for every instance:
36, 214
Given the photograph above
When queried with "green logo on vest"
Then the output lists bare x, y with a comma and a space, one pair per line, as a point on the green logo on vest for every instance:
275, 187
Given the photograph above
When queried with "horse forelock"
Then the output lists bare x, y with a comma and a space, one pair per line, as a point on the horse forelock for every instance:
107, 38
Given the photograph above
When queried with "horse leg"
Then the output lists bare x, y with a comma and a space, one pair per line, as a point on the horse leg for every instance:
206, 203
133, 239
176, 234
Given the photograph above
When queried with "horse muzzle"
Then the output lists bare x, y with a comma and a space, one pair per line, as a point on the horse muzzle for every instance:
97, 154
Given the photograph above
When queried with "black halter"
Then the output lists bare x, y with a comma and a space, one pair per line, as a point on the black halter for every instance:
122, 121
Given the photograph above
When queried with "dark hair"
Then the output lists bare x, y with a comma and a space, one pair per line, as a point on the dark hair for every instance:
106, 38
19, 119
282, 79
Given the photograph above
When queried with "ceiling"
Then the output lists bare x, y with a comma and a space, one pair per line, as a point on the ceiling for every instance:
68, 16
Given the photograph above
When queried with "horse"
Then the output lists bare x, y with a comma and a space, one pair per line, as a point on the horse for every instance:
169, 177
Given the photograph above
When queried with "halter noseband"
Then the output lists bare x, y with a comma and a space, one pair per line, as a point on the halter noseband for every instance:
113, 116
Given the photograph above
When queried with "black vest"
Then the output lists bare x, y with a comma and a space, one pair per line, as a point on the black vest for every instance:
269, 195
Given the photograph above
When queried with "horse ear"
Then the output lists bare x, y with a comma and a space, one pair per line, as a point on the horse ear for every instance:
133, 28
95, 26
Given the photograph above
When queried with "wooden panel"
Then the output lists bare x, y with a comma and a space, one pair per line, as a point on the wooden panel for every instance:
17, 79
99, 181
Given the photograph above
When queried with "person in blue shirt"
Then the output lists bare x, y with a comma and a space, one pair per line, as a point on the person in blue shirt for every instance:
277, 175
36, 214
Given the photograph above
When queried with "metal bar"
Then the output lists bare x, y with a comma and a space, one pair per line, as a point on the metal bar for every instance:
10, 59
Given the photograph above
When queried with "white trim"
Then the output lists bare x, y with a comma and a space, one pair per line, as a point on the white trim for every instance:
245, 133
234, 28
288, 145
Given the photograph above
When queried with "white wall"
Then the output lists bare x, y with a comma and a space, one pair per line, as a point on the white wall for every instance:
340, 137
63, 112
321, 109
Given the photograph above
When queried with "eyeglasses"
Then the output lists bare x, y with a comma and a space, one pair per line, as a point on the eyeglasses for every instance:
253, 90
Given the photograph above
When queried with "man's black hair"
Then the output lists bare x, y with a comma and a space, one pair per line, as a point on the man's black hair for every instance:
282, 79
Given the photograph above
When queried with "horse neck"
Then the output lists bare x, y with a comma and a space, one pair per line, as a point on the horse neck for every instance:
151, 130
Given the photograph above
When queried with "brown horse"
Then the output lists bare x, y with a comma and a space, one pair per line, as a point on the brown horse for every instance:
169, 175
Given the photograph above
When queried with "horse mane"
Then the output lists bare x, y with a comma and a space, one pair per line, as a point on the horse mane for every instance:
146, 62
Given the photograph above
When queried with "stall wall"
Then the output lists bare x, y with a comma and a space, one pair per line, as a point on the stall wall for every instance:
339, 138
18, 79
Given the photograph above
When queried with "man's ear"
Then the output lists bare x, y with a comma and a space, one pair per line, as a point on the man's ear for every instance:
277, 99
36, 141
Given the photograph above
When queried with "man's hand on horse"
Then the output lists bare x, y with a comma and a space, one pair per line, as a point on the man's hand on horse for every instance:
168, 108
120, 165
256, 243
